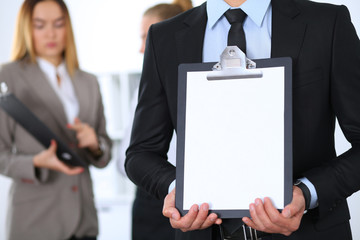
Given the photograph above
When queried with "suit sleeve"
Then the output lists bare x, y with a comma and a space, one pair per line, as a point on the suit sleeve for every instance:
146, 162
18, 166
340, 178
100, 129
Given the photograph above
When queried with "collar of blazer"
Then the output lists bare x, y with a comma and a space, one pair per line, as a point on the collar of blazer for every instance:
189, 40
288, 29
288, 32
42, 89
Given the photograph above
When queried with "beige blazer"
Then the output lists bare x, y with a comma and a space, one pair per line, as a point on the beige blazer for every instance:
45, 204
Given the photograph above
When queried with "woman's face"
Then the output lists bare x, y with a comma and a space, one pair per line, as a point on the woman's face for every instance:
49, 31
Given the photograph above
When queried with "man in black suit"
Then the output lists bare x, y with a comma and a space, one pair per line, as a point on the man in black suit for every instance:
326, 84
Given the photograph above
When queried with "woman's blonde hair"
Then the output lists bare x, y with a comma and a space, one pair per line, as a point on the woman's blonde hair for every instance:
165, 10
23, 46
184, 4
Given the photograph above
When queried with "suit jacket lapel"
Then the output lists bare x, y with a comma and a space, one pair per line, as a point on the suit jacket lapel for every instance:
42, 89
287, 30
82, 95
189, 41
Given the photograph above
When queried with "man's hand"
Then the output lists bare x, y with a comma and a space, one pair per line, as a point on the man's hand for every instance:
48, 159
195, 219
266, 218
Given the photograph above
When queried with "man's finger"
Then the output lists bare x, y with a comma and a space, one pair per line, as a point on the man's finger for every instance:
185, 222
281, 223
297, 204
258, 214
201, 216
169, 204
272, 212
211, 220
262, 220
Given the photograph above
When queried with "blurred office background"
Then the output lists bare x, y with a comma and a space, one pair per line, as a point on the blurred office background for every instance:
107, 34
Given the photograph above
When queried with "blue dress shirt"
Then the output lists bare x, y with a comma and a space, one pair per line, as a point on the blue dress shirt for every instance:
257, 28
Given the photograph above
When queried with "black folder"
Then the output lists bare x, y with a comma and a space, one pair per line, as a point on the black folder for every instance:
23, 116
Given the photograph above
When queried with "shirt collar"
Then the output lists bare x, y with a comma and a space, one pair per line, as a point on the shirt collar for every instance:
49, 69
255, 9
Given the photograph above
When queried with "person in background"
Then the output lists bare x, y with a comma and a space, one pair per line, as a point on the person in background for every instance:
50, 200
148, 223
159, 13
318, 37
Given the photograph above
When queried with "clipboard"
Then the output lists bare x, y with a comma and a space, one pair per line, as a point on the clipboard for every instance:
234, 133
24, 117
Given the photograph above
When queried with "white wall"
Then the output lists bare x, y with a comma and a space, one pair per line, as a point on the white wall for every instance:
107, 36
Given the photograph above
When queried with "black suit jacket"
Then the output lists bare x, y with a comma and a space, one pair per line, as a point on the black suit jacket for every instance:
326, 84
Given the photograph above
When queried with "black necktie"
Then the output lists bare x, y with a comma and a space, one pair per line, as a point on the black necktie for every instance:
236, 35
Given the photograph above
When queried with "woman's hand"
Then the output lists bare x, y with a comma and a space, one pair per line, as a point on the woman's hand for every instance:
48, 159
85, 135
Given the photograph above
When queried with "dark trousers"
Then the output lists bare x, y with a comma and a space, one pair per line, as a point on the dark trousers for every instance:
307, 231
148, 223
82, 238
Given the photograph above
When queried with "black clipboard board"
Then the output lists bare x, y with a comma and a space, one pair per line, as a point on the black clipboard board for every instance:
24, 117
201, 152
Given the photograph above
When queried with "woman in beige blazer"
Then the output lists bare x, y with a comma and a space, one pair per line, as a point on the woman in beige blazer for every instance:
48, 199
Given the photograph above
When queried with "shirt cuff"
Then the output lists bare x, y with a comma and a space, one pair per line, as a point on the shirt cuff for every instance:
172, 186
314, 198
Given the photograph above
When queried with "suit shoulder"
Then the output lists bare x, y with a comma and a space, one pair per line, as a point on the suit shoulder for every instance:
87, 80
12, 72
12, 66
85, 75
317, 7
179, 21
322, 14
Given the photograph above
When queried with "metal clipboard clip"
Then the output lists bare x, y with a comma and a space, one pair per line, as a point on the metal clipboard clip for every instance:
234, 65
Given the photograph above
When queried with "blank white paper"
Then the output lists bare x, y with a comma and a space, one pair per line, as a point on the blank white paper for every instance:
234, 140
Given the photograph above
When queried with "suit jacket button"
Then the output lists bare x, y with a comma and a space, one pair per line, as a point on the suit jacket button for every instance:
74, 188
